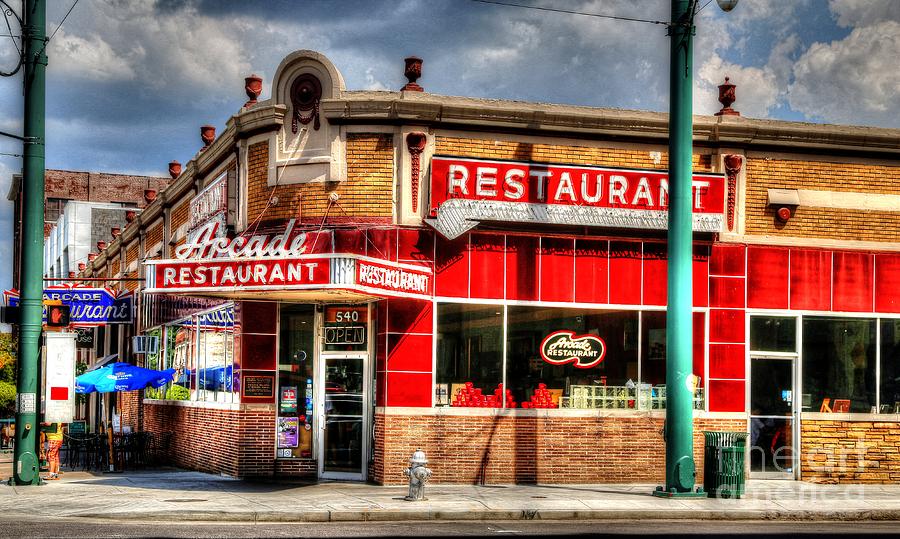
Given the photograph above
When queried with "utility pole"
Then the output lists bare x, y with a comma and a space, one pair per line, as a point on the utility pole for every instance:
679, 428
25, 456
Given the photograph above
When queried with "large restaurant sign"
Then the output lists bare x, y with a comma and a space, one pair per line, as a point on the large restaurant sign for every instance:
211, 263
465, 192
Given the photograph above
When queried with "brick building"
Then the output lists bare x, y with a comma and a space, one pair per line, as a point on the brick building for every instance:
342, 277
105, 190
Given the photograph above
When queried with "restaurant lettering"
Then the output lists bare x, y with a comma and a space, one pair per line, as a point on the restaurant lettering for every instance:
207, 244
564, 347
467, 191
391, 278
250, 273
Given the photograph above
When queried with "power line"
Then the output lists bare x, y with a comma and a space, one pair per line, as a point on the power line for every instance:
571, 12
47, 41
61, 22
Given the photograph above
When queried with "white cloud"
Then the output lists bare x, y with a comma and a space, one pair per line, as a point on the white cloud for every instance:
852, 13
372, 83
91, 58
854, 80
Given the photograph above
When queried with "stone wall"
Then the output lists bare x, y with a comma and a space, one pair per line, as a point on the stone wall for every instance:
850, 451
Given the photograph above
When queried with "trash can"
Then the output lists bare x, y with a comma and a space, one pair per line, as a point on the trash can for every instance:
723, 464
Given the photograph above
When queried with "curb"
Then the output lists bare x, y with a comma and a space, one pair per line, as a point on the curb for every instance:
458, 515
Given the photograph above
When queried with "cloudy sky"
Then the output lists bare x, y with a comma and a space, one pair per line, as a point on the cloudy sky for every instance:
130, 81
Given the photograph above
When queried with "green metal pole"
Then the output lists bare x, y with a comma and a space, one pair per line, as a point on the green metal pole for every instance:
680, 472
25, 455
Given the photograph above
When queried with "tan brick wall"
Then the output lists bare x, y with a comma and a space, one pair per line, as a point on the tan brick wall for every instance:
553, 153
131, 286
131, 253
172, 248
850, 451
498, 450
258, 191
179, 216
831, 223
114, 266
366, 193
154, 236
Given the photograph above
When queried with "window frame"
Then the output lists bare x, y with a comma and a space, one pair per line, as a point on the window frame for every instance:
505, 304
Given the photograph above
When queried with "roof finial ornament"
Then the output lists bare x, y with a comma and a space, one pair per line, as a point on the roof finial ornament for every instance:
727, 98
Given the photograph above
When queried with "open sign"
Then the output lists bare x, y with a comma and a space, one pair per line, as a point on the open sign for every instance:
345, 335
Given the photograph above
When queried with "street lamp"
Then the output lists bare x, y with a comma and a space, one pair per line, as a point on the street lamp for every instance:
679, 425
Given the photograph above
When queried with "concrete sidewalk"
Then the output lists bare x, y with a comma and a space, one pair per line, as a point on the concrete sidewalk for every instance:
191, 496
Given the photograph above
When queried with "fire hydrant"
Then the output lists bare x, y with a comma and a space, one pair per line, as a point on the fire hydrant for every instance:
418, 475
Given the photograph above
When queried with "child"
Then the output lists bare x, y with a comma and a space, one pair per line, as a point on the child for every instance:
54, 442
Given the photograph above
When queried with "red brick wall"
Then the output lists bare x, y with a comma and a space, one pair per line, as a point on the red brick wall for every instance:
508, 449
239, 443
128, 405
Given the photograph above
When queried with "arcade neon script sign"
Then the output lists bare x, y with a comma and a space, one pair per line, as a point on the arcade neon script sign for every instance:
465, 192
564, 347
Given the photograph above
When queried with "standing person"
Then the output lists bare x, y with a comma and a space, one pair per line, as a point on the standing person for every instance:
54, 442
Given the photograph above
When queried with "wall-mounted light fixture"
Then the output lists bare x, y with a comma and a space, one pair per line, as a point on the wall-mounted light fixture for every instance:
785, 202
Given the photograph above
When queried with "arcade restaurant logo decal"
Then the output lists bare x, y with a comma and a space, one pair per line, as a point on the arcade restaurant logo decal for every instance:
564, 347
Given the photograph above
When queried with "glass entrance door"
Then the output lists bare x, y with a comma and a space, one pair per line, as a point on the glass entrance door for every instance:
344, 397
772, 413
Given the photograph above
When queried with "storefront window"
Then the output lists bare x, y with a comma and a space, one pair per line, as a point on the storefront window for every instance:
773, 334
180, 344
535, 335
469, 353
155, 362
215, 355
295, 382
839, 364
557, 357
890, 366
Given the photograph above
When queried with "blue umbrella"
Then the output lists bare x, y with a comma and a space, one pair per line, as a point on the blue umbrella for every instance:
121, 377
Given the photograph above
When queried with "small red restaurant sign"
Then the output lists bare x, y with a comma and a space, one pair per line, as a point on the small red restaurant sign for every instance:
467, 191
251, 274
303, 272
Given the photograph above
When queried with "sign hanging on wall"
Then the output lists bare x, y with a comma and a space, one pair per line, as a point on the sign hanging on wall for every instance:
210, 204
89, 306
467, 191
303, 272
564, 347
59, 388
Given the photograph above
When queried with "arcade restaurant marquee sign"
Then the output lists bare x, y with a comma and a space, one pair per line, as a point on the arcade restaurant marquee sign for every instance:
467, 191
211, 263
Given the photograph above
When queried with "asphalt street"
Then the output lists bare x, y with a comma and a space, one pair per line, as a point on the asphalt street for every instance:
78, 528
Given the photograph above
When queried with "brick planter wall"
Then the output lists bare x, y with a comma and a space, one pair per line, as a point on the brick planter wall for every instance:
505, 449
850, 451
238, 443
